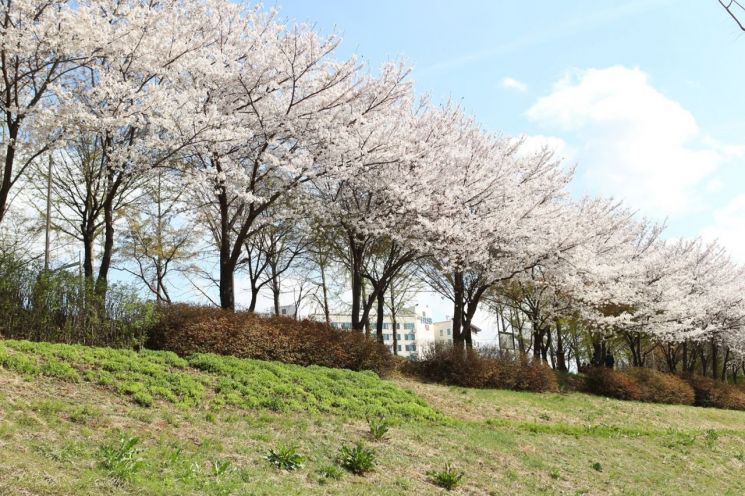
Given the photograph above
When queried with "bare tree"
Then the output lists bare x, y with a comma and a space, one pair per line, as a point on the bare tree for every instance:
734, 9
159, 239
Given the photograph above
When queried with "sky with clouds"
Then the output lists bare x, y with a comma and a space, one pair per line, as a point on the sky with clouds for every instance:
644, 97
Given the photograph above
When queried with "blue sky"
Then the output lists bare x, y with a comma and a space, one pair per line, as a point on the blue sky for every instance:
645, 97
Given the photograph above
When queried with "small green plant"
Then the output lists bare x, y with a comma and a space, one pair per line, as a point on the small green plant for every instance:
122, 460
448, 478
357, 459
220, 468
379, 427
328, 473
597, 467
711, 437
285, 458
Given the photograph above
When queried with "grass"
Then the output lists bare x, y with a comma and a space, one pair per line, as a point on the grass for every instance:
70, 428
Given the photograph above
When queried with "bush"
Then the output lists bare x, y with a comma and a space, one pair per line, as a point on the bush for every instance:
709, 392
57, 307
661, 387
613, 384
482, 369
187, 329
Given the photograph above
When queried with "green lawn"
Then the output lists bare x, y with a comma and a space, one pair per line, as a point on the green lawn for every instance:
204, 424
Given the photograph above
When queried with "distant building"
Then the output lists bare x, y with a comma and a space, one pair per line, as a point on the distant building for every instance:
444, 331
414, 330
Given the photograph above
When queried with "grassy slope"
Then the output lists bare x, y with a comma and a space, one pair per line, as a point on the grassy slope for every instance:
60, 405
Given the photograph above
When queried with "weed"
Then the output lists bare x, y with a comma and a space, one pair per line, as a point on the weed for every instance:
329, 472
219, 468
597, 467
121, 459
448, 478
285, 458
379, 427
357, 459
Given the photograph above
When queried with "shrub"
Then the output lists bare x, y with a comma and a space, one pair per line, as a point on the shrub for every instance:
448, 478
612, 383
55, 306
379, 427
187, 329
482, 369
285, 458
357, 459
661, 387
712, 393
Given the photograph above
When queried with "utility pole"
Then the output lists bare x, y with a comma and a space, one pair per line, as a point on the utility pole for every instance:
49, 214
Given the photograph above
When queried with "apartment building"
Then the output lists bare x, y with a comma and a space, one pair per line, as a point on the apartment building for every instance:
414, 330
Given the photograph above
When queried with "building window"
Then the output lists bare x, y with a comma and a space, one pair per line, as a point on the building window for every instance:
386, 325
409, 326
449, 331
442, 333
399, 348
398, 336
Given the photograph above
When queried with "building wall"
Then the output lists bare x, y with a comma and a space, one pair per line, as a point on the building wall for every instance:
414, 329
443, 331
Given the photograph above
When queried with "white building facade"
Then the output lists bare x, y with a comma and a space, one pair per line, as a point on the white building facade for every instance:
414, 330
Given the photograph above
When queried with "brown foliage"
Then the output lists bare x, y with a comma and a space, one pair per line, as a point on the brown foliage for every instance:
612, 383
661, 387
448, 365
717, 394
186, 329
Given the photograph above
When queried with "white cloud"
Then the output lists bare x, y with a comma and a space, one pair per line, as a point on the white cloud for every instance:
729, 227
636, 143
513, 84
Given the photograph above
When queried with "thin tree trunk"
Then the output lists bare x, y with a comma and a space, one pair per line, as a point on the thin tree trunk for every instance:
379, 317
324, 291
458, 293
560, 353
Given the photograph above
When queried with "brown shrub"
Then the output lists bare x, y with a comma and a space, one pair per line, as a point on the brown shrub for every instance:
612, 383
661, 387
716, 394
570, 383
186, 329
448, 365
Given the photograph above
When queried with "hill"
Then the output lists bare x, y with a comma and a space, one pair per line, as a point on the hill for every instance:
80, 420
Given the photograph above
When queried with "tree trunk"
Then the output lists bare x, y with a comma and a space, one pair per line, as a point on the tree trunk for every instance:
10, 151
357, 290
560, 353
714, 360
458, 292
393, 320
108, 249
254, 297
324, 291
379, 317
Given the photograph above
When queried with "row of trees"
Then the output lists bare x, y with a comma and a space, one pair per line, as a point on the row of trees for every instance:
156, 125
